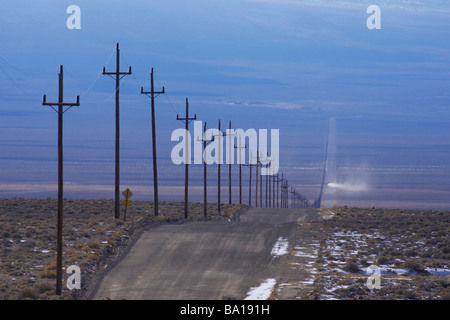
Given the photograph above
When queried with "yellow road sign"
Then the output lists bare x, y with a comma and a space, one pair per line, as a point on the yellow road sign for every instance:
127, 194
126, 203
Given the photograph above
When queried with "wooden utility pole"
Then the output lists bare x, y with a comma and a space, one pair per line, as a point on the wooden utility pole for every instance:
250, 179
240, 167
259, 165
283, 191
153, 94
205, 198
273, 190
278, 180
267, 186
257, 174
220, 134
117, 76
260, 186
59, 228
229, 163
270, 189
187, 159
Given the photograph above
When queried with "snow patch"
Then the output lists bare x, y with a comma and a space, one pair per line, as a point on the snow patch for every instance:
263, 291
280, 248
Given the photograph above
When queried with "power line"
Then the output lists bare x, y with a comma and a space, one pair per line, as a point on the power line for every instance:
14, 82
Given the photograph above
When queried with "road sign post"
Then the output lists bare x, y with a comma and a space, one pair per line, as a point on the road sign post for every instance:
126, 203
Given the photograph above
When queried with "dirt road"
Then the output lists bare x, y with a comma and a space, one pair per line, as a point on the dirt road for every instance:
250, 258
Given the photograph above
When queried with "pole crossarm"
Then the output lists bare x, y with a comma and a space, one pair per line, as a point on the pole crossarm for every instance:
122, 74
156, 93
45, 103
187, 118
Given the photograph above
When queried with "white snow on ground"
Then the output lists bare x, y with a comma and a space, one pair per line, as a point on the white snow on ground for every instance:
263, 291
280, 248
300, 253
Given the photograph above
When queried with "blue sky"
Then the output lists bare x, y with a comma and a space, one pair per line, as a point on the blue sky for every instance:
283, 54
260, 63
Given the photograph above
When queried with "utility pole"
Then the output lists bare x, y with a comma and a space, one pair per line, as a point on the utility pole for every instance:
229, 163
273, 191
59, 229
205, 198
276, 179
117, 76
293, 194
257, 174
153, 94
250, 179
265, 165
266, 190
186, 162
270, 188
240, 168
260, 186
283, 192
220, 134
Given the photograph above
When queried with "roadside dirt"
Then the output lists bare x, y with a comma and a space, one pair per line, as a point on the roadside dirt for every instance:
348, 247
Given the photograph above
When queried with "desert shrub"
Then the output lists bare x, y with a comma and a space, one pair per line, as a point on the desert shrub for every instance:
384, 259
48, 274
410, 295
365, 263
445, 249
351, 266
93, 256
93, 245
29, 293
46, 287
412, 253
413, 265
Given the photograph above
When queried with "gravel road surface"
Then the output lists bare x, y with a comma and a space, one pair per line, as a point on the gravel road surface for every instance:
251, 258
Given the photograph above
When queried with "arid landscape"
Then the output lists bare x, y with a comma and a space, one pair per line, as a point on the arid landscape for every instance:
411, 248
92, 239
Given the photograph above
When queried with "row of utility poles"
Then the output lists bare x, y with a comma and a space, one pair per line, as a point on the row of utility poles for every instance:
282, 189
278, 192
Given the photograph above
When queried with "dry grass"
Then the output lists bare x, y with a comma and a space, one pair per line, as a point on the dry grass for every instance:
91, 236
413, 242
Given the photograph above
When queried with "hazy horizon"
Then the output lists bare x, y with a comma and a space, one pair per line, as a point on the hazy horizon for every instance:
288, 65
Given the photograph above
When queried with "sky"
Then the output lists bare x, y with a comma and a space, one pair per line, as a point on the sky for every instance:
264, 64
